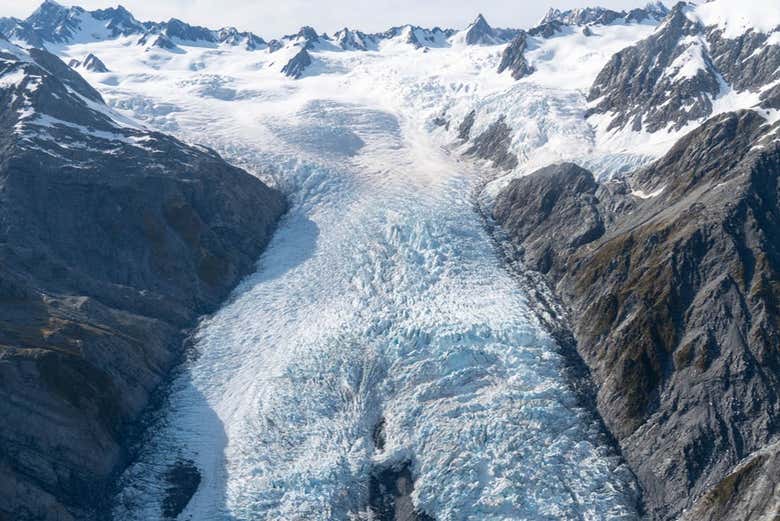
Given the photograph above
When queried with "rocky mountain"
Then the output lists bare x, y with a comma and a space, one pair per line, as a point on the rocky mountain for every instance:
479, 32
556, 20
91, 63
691, 67
53, 23
350, 40
418, 37
306, 37
297, 64
670, 275
513, 57
113, 240
601, 16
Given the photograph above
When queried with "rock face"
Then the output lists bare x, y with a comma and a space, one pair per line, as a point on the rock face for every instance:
480, 33
112, 241
493, 145
513, 58
671, 78
675, 300
91, 63
297, 64
390, 496
306, 38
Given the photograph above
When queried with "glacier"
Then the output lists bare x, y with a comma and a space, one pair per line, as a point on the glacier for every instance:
382, 303
380, 300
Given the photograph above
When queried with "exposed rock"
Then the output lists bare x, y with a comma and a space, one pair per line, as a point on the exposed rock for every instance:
493, 145
672, 77
464, 130
647, 86
274, 45
183, 480
306, 37
547, 30
94, 64
513, 58
354, 40
601, 16
390, 496
175, 29
479, 32
297, 64
234, 37
551, 213
54, 23
113, 240
675, 300
419, 37
748, 492
157, 40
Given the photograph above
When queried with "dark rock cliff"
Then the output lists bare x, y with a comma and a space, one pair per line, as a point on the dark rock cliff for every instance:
113, 240
676, 304
513, 57
297, 65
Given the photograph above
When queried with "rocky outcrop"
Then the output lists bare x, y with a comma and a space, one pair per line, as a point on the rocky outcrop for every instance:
658, 81
113, 240
350, 40
671, 280
601, 16
464, 129
513, 58
94, 64
479, 32
306, 37
297, 65
91, 63
419, 37
748, 492
159, 41
390, 495
493, 145
671, 78
53, 23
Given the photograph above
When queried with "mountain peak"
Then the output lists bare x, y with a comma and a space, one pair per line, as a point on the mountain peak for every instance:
480, 32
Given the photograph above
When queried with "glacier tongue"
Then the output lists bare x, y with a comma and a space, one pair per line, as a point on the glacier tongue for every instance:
380, 300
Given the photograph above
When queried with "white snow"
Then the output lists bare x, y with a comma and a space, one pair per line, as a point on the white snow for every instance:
641, 194
12, 79
736, 17
689, 62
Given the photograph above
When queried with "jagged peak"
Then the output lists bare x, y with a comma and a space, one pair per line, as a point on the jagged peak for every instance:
602, 15
52, 8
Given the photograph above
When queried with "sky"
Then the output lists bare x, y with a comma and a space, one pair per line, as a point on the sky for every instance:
273, 18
